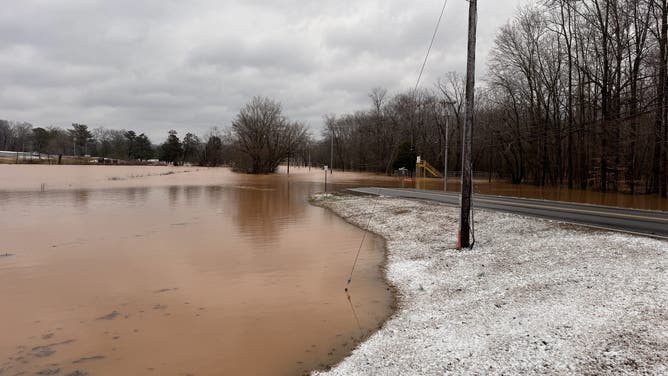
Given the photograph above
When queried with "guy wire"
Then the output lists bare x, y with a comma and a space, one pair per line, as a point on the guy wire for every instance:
373, 209
433, 37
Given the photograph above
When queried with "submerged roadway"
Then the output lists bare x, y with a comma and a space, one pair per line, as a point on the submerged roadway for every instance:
634, 221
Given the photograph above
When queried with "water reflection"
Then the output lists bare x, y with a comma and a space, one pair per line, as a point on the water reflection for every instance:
214, 194
136, 194
173, 193
4, 198
149, 279
192, 193
81, 197
261, 213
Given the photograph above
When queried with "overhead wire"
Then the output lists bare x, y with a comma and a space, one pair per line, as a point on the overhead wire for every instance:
417, 84
431, 43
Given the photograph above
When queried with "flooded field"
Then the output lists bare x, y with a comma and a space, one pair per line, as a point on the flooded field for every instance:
109, 270
178, 271
502, 188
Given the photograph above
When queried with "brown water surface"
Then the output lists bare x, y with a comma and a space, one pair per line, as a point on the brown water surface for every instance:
188, 271
502, 188
178, 271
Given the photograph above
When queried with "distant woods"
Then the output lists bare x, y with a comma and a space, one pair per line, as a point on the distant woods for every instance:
77, 141
576, 95
260, 138
192, 149
118, 145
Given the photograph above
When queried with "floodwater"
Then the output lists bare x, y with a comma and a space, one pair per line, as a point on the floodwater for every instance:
502, 188
110, 270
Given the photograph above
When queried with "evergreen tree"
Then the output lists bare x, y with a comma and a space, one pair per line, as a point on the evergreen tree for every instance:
81, 137
213, 152
131, 136
191, 148
143, 148
171, 150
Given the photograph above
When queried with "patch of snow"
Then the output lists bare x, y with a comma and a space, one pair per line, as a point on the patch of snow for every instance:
533, 296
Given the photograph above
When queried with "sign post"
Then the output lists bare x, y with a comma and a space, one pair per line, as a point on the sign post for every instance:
326, 178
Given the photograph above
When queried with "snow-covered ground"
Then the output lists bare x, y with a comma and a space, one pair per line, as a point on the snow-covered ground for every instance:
533, 296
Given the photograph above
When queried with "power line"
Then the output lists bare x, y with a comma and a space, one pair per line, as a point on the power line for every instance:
433, 37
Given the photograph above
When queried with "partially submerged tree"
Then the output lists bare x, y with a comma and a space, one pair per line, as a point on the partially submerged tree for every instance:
264, 136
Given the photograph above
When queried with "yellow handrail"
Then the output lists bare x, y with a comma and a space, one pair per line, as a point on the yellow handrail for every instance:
429, 168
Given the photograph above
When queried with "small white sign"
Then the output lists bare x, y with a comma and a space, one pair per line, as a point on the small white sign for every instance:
325, 167
418, 160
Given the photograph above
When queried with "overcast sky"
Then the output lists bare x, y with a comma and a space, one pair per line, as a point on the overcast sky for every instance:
155, 65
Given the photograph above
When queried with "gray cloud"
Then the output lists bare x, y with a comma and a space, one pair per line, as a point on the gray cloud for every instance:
276, 54
154, 65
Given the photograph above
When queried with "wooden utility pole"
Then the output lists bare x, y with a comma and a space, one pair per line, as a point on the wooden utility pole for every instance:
445, 152
445, 157
465, 214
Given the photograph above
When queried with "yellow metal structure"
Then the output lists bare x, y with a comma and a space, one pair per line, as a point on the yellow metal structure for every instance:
423, 167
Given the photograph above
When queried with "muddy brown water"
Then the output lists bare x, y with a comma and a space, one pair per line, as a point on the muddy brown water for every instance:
502, 188
179, 271
187, 271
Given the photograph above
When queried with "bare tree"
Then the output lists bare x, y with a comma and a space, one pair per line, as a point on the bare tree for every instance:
264, 136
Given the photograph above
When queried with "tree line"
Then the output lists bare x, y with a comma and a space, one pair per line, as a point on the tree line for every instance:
576, 95
259, 139
78, 140
118, 144
580, 88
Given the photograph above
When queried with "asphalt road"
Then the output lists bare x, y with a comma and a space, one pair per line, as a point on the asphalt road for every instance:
643, 222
